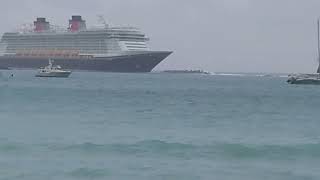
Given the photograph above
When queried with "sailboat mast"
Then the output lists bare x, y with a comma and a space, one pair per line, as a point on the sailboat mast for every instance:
318, 40
318, 23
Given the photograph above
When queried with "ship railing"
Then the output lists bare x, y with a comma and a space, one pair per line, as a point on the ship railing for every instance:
9, 54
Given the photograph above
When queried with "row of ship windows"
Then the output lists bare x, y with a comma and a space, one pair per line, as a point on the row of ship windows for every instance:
136, 47
69, 37
61, 48
84, 51
59, 45
70, 45
81, 34
62, 44
62, 41
135, 44
74, 40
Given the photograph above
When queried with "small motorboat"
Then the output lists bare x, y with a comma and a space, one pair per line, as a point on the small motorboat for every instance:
53, 71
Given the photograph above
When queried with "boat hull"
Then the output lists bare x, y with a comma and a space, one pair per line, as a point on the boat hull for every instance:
64, 74
304, 79
143, 62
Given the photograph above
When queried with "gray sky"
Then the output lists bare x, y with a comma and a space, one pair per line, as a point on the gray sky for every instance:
215, 35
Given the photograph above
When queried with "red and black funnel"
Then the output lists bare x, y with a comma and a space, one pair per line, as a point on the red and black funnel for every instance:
41, 25
77, 24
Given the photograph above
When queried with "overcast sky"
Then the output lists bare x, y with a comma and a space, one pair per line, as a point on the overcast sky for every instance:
214, 35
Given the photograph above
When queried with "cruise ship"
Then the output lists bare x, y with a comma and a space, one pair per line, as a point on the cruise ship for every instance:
109, 49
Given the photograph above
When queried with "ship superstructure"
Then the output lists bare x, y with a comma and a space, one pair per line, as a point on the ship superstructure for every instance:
115, 49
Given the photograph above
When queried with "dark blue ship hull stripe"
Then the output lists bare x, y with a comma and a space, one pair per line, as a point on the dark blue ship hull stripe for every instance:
131, 63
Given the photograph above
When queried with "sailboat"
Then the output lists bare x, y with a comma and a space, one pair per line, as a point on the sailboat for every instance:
308, 78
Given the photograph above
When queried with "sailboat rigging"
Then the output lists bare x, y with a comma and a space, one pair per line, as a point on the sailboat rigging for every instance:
308, 78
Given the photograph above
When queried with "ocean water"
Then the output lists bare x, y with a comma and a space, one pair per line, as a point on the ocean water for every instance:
157, 126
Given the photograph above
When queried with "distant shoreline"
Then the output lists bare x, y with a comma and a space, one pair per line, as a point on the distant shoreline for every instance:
186, 72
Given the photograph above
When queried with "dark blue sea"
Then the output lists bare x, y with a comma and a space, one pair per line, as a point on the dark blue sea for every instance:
158, 126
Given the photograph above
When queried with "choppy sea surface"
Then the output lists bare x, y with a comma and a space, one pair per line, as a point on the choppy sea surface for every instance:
158, 126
